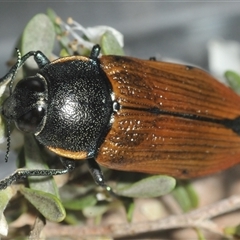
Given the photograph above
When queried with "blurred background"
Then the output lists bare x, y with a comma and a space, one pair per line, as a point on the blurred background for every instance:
179, 30
175, 30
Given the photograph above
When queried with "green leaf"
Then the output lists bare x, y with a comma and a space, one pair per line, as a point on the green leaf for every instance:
153, 186
192, 195
64, 52
233, 231
73, 191
110, 45
3, 86
3, 128
61, 34
200, 234
35, 160
5, 196
186, 196
72, 219
234, 80
47, 204
39, 34
53, 16
130, 210
81, 203
95, 211
3, 225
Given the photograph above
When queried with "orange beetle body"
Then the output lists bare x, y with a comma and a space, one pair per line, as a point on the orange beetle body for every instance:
126, 114
175, 120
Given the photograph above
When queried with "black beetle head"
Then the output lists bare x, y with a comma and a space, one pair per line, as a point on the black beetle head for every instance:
26, 106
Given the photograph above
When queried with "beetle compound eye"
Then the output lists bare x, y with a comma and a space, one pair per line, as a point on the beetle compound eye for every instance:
30, 121
34, 83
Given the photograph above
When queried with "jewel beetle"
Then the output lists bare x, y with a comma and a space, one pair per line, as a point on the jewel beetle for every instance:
126, 114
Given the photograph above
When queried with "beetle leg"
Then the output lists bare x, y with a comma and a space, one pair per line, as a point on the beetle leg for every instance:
95, 52
97, 175
39, 58
19, 174
153, 59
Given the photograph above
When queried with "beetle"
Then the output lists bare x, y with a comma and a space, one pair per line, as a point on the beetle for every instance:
125, 114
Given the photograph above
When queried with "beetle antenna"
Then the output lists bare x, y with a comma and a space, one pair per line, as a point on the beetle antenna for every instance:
18, 64
8, 140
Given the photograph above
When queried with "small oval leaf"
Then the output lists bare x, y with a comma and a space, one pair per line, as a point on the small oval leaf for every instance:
60, 32
110, 45
153, 186
233, 80
186, 196
95, 211
47, 204
81, 203
3, 128
35, 160
5, 196
39, 34
130, 210
3, 86
233, 231
3, 226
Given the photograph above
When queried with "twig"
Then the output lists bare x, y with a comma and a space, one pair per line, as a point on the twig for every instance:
197, 218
